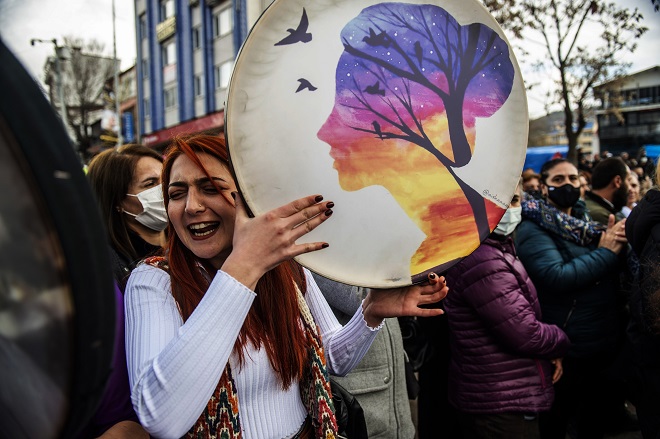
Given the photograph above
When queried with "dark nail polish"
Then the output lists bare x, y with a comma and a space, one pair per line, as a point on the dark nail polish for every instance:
330, 205
325, 245
233, 195
318, 198
328, 212
432, 276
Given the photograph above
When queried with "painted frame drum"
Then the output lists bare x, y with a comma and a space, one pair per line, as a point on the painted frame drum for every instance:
411, 117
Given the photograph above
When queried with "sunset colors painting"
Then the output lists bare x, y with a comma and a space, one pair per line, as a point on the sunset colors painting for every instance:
409, 86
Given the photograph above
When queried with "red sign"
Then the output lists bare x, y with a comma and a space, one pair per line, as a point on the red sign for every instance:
208, 122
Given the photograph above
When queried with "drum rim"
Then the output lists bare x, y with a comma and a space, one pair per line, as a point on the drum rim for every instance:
68, 198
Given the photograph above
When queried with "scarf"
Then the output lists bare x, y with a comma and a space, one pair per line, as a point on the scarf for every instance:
221, 419
559, 223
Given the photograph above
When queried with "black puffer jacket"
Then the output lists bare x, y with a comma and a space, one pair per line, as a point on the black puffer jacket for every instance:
643, 233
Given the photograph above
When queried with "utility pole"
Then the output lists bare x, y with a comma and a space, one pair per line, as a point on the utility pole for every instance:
61, 54
116, 79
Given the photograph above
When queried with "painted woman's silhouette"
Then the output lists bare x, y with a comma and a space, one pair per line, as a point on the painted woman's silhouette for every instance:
409, 85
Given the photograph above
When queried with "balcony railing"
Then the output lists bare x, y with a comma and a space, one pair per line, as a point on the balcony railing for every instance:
166, 28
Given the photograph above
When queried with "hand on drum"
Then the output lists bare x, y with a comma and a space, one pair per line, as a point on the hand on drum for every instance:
404, 301
261, 243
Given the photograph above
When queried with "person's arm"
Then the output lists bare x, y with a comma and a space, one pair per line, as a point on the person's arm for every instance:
344, 345
342, 297
174, 367
547, 268
497, 298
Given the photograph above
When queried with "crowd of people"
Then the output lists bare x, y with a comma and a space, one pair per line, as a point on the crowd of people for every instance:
570, 290
552, 326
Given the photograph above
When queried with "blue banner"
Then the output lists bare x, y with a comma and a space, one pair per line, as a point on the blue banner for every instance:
128, 127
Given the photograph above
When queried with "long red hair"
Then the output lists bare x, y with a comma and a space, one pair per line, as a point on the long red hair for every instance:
273, 321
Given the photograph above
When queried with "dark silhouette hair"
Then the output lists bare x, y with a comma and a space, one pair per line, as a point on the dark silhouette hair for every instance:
547, 166
273, 322
605, 171
110, 173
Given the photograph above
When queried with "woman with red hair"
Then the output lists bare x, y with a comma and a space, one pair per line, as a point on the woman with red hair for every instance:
226, 335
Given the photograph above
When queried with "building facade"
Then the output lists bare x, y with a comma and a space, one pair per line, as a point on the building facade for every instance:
629, 114
185, 55
128, 104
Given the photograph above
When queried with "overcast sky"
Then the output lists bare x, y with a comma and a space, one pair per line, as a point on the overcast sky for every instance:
22, 20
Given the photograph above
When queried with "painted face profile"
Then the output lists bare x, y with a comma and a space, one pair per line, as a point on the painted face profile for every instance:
410, 85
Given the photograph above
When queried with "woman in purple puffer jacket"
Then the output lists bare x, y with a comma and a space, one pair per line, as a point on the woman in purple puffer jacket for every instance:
502, 356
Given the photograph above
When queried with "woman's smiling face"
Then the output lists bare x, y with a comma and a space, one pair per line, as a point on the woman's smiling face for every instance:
203, 218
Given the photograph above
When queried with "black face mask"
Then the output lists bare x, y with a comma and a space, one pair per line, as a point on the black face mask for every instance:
564, 196
535, 193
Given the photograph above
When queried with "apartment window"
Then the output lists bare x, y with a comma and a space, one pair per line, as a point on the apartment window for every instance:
222, 23
199, 85
169, 53
170, 97
223, 74
129, 86
649, 117
196, 38
166, 9
143, 26
147, 107
145, 68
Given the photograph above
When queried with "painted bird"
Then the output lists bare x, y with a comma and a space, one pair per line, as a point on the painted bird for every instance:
298, 35
375, 89
377, 130
375, 40
305, 84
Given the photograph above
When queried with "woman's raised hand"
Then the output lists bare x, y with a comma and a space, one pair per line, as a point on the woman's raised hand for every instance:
261, 243
614, 238
404, 301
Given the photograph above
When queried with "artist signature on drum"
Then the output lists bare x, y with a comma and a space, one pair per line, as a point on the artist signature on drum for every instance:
494, 197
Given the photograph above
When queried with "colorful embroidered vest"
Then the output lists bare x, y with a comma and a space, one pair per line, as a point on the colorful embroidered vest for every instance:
221, 419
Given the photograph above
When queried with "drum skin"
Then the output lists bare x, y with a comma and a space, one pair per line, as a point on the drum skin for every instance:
411, 117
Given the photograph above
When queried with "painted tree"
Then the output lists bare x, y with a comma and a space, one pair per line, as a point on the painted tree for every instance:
583, 42
407, 65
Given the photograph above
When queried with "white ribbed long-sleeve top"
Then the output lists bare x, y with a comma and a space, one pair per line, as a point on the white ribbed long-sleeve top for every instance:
174, 367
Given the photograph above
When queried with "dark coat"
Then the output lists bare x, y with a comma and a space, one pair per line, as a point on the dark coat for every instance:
643, 233
500, 350
122, 265
577, 287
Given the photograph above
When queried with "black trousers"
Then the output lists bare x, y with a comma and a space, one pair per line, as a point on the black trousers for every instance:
647, 402
499, 426
582, 397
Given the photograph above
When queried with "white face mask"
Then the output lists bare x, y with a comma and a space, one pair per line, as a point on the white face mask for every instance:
153, 213
510, 220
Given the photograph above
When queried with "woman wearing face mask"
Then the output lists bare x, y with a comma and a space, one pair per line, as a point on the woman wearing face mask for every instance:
126, 182
500, 349
574, 265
